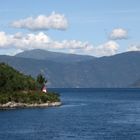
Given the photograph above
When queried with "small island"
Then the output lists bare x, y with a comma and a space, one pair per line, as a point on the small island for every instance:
21, 91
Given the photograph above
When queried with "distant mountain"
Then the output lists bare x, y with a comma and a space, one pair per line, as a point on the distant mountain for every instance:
120, 70
136, 84
53, 56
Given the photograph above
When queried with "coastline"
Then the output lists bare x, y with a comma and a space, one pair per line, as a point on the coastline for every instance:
14, 105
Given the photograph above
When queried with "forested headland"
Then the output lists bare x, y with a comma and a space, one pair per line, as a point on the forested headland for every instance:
19, 88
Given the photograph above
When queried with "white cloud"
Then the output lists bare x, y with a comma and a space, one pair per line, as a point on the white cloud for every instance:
105, 49
3, 39
118, 34
42, 41
42, 22
134, 48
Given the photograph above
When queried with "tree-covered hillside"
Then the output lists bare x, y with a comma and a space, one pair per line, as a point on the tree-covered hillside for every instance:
18, 88
12, 80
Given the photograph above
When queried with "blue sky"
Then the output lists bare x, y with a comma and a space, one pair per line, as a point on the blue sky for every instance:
90, 21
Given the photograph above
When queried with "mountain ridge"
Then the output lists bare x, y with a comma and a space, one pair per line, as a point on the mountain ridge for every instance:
56, 56
118, 71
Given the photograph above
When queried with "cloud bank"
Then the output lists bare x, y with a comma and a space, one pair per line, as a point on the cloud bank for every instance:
42, 22
40, 40
134, 48
118, 34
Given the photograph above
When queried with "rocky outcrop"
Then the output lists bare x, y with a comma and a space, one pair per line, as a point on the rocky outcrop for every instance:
12, 105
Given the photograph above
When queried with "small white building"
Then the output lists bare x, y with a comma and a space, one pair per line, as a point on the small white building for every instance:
44, 89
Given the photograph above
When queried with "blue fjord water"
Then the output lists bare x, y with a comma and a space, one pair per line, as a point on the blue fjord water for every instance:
86, 114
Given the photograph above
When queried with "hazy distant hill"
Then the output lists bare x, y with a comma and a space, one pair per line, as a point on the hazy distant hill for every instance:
120, 70
54, 56
136, 84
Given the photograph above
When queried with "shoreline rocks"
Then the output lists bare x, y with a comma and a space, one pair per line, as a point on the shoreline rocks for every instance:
14, 105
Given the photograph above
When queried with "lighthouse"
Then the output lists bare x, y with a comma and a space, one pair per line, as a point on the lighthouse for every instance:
44, 89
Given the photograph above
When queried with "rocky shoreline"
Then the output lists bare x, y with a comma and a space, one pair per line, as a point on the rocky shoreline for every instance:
14, 105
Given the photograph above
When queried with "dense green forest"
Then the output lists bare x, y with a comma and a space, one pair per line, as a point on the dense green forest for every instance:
12, 80
17, 87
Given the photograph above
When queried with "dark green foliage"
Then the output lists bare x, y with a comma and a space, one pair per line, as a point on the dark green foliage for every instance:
12, 80
41, 81
30, 97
